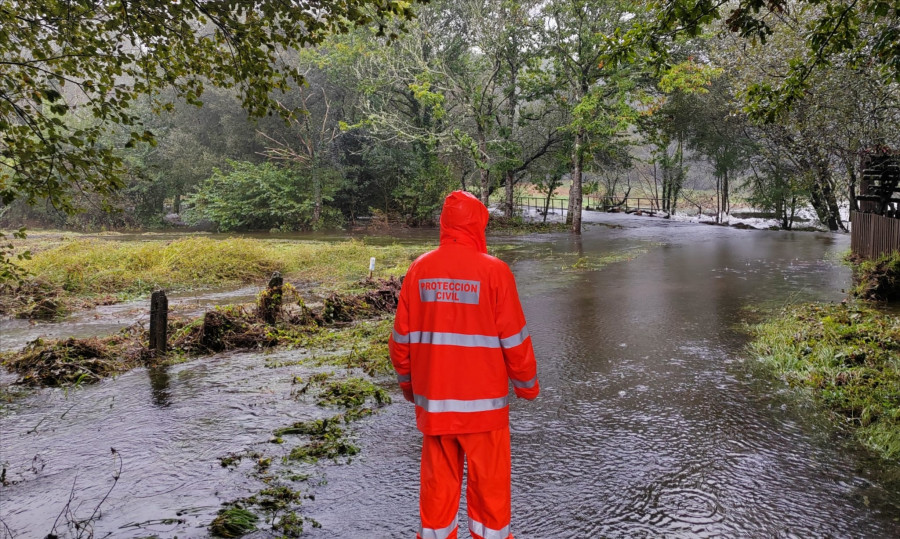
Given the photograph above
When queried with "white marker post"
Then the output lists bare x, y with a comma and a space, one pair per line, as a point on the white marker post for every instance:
371, 266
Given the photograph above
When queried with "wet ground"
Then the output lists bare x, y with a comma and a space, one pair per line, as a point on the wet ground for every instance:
651, 422
108, 319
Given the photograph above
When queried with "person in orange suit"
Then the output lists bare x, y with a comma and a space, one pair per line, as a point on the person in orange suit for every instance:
459, 339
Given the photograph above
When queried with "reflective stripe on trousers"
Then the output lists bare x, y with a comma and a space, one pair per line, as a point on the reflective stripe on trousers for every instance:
461, 339
486, 533
464, 406
443, 533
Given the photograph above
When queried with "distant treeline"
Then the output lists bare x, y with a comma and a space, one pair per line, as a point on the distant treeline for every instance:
489, 96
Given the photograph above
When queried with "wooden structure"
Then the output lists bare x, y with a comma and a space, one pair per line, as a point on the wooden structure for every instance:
159, 320
876, 226
593, 202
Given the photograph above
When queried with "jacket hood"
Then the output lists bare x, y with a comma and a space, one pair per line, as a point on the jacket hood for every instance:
463, 220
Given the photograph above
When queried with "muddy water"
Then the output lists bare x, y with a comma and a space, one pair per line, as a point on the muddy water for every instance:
650, 422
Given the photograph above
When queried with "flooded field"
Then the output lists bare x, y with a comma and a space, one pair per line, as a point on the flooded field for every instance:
651, 422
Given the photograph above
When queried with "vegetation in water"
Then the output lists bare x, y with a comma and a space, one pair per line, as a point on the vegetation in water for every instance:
593, 263
324, 438
233, 522
878, 279
77, 361
351, 393
518, 225
848, 356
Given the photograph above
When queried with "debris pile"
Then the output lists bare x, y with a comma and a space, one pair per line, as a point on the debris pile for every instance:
75, 361
78, 361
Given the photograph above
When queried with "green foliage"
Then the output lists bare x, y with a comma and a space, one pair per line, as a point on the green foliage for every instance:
233, 522
862, 32
57, 109
259, 197
76, 267
849, 356
877, 279
10, 271
773, 188
352, 392
327, 440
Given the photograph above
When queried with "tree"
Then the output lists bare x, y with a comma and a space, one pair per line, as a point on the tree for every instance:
843, 110
70, 72
860, 32
598, 97
259, 197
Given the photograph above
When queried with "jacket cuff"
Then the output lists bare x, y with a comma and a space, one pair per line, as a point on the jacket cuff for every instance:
528, 393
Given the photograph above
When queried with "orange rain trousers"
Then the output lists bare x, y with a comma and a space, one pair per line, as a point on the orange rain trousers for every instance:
488, 481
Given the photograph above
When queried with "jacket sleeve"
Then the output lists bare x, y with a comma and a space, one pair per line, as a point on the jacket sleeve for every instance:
398, 343
515, 341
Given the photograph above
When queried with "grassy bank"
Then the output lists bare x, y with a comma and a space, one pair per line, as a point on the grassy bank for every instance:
848, 357
74, 272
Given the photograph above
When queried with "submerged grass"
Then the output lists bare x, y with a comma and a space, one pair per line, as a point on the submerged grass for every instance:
848, 356
79, 267
233, 522
77, 361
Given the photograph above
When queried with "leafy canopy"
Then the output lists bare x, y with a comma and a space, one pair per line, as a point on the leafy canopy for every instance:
70, 71
864, 32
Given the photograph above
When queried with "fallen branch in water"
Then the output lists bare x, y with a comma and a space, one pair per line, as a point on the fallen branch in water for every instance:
85, 528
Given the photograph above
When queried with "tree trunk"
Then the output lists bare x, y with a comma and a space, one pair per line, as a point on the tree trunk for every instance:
665, 187
317, 199
485, 186
834, 209
509, 206
851, 169
726, 199
547, 204
718, 199
575, 193
482, 168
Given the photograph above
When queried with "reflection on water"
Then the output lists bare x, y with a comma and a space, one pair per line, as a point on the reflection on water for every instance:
650, 424
159, 384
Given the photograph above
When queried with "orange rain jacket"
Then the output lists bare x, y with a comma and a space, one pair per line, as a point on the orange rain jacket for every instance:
460, 333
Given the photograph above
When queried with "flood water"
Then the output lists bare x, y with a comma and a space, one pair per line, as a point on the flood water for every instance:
652, 421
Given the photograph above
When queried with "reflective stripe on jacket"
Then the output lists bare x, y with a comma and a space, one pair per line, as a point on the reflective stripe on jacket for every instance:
460, 335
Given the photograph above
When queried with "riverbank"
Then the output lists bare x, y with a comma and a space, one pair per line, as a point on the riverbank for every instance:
71, 272
846, 356
56, 363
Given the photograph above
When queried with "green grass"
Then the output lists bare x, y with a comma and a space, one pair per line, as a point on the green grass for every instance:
877, 279
233, 522
848, 356
352, 392
70, 272
91, 266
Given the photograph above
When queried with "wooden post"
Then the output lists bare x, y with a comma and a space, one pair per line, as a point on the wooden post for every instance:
159, 320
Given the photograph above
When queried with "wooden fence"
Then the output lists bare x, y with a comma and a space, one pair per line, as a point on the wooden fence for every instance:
556, 205
874, 235
630, 204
